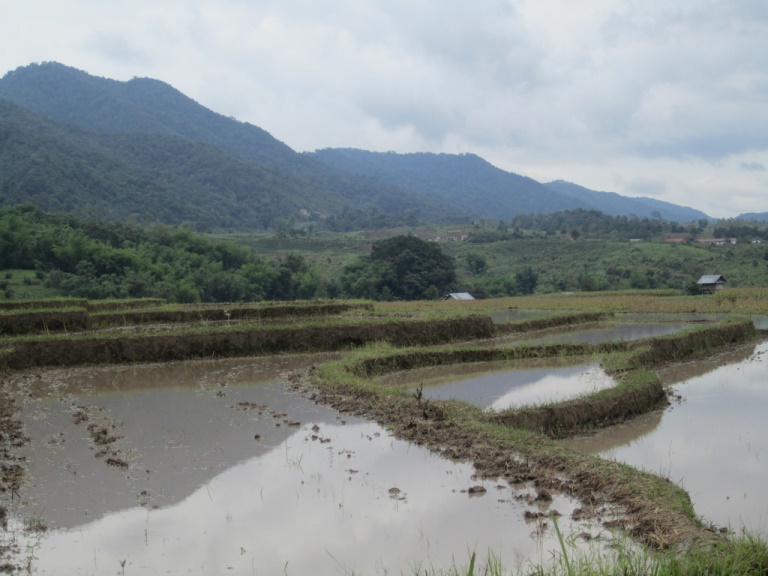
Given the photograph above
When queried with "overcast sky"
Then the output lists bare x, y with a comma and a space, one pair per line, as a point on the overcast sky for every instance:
660, 98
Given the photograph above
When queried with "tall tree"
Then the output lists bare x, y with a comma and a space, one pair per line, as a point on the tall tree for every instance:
402, 267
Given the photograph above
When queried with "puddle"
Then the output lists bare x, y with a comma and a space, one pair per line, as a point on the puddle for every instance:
248, 478
712, 440
610, 333
501, 385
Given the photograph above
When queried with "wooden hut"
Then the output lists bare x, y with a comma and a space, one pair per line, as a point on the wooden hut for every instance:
711, 283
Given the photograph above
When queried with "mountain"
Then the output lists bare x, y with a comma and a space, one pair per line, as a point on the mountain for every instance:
616, 205
483, 190
465, 180
163, 177
755, 216
77, 142
140, 105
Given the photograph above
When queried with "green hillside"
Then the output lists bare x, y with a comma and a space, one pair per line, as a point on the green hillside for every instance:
83, 144
464, 180
616, 205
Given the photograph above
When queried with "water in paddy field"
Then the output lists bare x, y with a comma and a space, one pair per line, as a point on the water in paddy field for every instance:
502, 385
513, 314
219, 468
712, 439
610, 332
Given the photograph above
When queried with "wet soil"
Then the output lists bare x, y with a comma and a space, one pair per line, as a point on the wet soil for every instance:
447, 429
457, 432
234, 475
585, 478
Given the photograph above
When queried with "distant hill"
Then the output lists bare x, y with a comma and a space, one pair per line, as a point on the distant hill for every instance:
483, 190
616, 205
74, 142
142, 147
755, 216
463, 180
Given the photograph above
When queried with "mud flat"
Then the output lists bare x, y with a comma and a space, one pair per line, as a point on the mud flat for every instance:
712, 440
222, 467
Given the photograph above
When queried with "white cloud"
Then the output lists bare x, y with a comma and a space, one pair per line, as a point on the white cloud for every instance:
602, 93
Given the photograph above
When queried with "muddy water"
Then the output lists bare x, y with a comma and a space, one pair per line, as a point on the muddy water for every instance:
610, 333
501, 385
246, 478
713, 439
760, 322
512, 314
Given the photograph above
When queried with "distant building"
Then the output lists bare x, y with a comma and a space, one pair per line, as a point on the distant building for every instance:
458, 296
711, 283
717, 241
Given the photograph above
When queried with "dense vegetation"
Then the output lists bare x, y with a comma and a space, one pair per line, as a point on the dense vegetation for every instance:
44, 255
401, 268
92, 146
108, 260
98, 260
593, 224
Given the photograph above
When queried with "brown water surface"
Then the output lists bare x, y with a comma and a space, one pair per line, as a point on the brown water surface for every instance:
219, 468
610, 332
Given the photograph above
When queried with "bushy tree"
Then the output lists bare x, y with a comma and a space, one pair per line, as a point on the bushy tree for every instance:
401, 267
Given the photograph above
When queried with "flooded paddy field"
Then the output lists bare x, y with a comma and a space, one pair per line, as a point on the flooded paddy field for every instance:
611, 332
712, 439
513, 314
760, 322
220, 467
502, 385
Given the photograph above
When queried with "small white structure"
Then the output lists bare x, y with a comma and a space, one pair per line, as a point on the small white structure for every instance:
458, 296
710, 283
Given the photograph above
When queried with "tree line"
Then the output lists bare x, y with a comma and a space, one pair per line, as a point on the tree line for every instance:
99, 260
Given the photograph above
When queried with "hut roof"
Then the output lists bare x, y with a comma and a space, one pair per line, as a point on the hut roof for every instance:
711, 279
459, 296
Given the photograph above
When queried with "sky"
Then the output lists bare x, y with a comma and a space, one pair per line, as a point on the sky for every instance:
666, 99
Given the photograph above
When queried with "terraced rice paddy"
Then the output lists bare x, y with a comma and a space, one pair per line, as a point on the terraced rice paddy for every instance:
712, 439
216, 467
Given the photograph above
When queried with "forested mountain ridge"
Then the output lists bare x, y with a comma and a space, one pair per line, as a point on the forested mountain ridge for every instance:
79, 143
140, 105
113, 149
465, 180
167, 178
614, 204
756, 216
486, 191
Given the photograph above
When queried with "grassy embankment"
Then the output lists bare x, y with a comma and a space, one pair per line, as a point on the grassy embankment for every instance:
659, 513
753, 301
